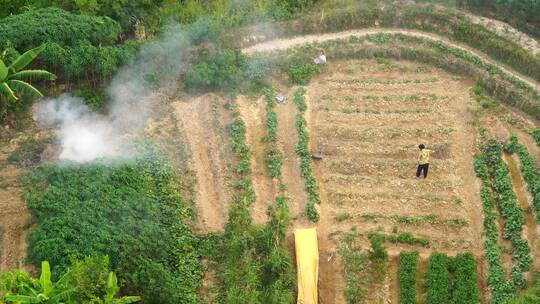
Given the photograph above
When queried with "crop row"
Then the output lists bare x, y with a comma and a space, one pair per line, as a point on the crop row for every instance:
507, 202
417, 220
274, 157
528, 171
451, 280
251, 253
408, 266
501, 290
403, 238
302, 149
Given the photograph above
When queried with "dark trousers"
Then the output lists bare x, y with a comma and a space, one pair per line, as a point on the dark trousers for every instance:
421, 168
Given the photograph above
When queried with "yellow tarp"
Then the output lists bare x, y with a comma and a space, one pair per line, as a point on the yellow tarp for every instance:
307, 260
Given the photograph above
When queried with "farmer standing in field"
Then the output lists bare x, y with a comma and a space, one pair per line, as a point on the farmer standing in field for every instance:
423, 160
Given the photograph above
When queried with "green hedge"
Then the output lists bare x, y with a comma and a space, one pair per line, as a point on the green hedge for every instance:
408, 265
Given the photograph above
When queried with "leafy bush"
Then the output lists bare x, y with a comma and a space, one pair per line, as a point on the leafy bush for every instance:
36, 27
301, 74
437, 282
274, 157
408, 265
132, 212
217, 70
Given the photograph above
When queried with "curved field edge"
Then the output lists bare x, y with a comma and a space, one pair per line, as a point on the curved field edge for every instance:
509, 87
443, 22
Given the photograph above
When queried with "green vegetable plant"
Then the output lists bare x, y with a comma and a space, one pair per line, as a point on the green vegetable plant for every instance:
408, 267
302, 149
437, 281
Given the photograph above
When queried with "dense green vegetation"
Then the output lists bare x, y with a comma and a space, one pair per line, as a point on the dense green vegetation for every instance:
131, 211
152, 15
408, 266
86, 281
303, 150
437, 281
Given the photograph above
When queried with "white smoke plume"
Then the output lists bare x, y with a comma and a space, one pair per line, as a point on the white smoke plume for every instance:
133, 91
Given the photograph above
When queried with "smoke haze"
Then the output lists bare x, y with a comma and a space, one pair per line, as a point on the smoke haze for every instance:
133, 91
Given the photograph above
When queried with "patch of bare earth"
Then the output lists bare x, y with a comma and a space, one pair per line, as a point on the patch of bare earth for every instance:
14, 215
207, 157
367, 120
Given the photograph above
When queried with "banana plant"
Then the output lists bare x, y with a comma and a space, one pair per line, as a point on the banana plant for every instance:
112, 289
19, 288
14, 79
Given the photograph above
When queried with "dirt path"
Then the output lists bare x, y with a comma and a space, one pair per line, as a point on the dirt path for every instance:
290, 170
253, 113
207, 161
282, 44
13, 218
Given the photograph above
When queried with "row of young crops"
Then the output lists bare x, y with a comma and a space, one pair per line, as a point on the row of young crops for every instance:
447, 280
302, 149
499, 199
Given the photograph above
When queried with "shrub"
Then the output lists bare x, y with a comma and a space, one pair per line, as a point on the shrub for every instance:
216, 71
36, 27
301, 74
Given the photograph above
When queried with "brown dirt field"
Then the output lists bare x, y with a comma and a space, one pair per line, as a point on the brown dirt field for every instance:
368, 134
208, 157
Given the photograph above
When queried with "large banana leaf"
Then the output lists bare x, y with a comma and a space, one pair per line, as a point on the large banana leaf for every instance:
25, 59
3, 70
25, 88
29, 75
6, 91
45, 278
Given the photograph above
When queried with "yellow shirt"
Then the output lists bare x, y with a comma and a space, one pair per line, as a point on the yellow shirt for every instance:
423, 157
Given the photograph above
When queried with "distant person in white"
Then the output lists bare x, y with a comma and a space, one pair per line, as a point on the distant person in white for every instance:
321, 57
